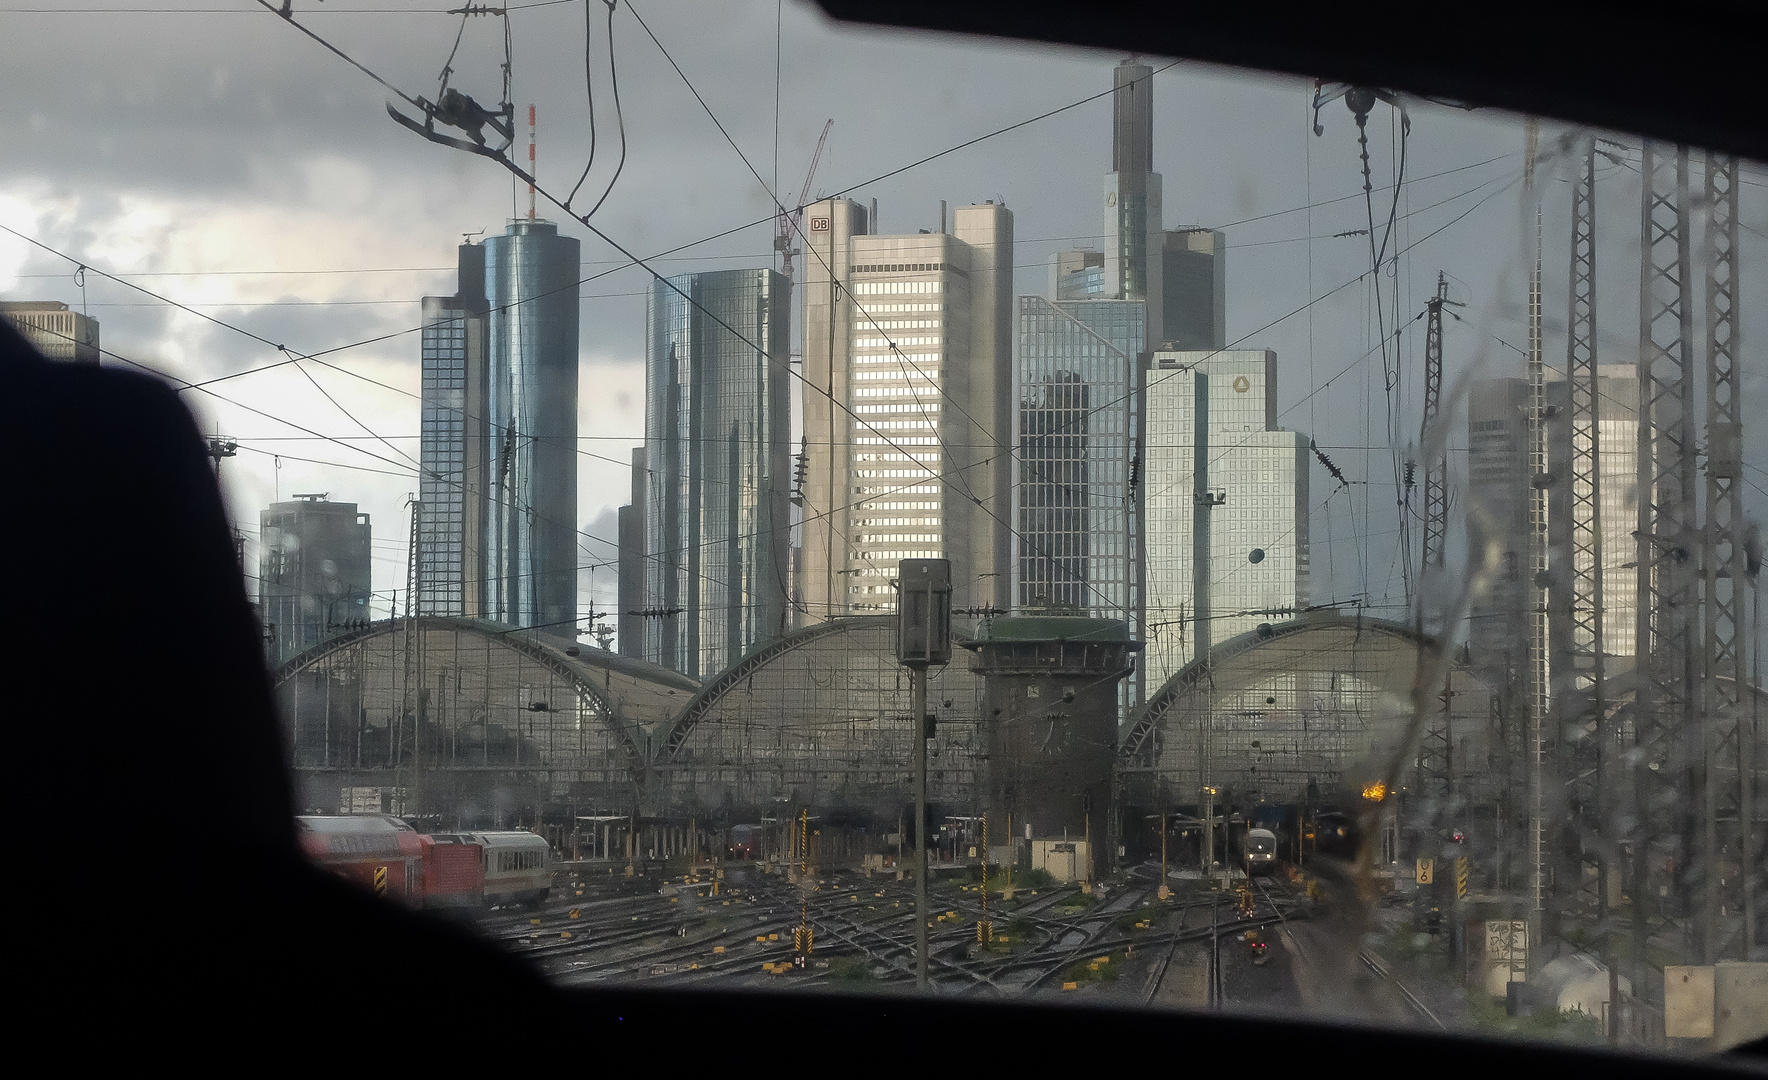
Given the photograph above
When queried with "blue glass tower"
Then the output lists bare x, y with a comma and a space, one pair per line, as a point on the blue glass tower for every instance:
531, 283
717, 460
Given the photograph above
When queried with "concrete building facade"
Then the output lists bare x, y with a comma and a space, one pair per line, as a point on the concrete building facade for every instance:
314, 571
908, 407
57, 331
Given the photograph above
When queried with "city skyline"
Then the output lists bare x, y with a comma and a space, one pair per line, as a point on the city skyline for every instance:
1198, 152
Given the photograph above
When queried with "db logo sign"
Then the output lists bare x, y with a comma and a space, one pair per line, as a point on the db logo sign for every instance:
819, 224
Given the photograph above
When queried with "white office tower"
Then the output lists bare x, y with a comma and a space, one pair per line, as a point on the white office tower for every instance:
908, 410
1258, 539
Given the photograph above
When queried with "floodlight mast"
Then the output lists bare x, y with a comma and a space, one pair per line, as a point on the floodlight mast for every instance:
923, 640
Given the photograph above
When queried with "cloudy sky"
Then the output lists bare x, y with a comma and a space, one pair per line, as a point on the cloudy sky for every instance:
209, 152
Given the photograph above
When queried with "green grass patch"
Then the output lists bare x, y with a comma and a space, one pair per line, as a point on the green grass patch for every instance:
1489, 1014
1076, 901
1104, 967
848, 969
1152, 914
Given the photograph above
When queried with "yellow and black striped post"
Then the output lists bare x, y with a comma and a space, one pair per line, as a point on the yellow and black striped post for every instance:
380, 881
1461, 875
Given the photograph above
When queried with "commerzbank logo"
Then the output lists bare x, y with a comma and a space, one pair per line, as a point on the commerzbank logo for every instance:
1111, 198
1242, 384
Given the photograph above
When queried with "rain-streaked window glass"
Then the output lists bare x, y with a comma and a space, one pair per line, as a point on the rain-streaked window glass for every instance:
1350, 500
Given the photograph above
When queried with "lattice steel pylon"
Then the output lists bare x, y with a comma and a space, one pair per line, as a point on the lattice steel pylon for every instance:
1723, 563
1435, 748
1666, 738
1583, 728
1539, 675
1436, 461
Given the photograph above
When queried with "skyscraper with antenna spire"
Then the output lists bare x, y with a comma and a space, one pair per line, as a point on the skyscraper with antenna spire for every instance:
1134, 239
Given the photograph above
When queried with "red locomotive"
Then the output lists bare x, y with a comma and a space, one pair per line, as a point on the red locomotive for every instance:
447, 870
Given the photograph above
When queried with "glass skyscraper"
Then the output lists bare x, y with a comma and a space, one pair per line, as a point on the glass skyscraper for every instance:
531, 284
1080, 386
452, 446
1133, 239
1194, 286
1076, 507
717, 467
1258, 536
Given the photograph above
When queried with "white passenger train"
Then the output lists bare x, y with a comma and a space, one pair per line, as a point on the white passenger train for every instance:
1261, 851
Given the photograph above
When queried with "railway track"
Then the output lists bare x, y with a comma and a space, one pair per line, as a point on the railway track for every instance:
626, 929
1369, 961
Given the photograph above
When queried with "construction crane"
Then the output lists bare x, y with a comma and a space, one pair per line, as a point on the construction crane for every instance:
787, 222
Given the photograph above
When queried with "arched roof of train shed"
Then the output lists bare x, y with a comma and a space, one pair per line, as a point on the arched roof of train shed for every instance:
1346, 688
1154, 711
820, 714
630, 695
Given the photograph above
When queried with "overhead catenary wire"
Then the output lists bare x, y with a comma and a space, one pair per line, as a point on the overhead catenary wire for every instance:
585, 221
310, 375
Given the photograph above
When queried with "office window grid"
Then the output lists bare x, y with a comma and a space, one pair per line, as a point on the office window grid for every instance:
911, 378
442, 456
1080, 399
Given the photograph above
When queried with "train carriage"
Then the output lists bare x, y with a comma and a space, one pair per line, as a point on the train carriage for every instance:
377, 851
454, 871
518, 867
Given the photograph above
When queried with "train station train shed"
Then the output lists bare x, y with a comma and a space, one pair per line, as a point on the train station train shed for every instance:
1313, 710
821, 717
470, 720
487, 726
